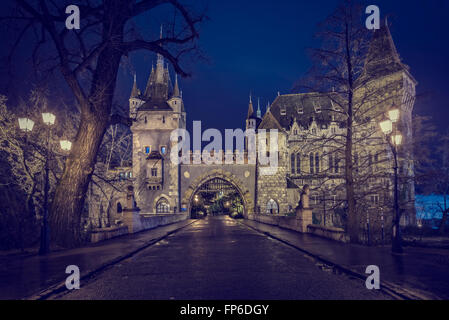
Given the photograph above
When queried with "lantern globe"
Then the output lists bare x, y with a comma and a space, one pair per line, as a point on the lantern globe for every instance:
394, 115
66, 145
48, 118
26, 124
386, 126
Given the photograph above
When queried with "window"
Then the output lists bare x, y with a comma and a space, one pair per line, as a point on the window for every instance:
292, 164
300, 109
272, 207
333, 130
162, 206
147, 149
154, 172
375, 199
337, 162
314, 131
311, 162
163, 150
331, 163
119, 207
317, 107
317, 162
295, 132
283, 111
298, 163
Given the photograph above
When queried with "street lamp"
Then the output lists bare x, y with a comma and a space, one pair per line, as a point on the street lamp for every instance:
26, 124
66, 145
394, 140
49, 120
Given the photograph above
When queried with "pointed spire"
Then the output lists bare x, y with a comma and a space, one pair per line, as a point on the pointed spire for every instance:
382, 57
135, 90
250, 108
268, 107
176, 93
259, 113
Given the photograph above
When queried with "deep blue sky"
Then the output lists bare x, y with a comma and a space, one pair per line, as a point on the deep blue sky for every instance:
259, 46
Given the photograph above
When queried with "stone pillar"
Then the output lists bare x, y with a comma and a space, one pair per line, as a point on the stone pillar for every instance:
303, 219
131, 216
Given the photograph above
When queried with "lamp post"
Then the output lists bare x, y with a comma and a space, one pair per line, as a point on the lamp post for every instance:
394, 140
49, 120
27, 125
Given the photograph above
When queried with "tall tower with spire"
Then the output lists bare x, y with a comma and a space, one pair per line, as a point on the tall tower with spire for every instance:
157, 113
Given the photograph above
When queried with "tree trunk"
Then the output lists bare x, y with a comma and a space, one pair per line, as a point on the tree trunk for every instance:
353, 225
68, 203
69, 197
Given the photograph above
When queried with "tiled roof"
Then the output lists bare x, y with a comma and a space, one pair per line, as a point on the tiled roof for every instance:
304, 107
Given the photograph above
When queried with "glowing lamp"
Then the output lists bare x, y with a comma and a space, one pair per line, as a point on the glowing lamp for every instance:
26, 124
49, 118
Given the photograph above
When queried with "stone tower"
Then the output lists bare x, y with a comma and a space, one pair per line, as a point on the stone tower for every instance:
157, 112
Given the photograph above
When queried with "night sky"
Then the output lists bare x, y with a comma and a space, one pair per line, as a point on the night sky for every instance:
260, 46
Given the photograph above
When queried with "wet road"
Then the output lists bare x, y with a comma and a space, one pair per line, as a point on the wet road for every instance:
219, 258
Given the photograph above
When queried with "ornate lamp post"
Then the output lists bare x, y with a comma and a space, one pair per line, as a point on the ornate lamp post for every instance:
27, 125
49, 120
394, 140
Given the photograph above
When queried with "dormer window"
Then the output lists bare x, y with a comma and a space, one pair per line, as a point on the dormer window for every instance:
295, 132
317, 107
154, 172
283, 111
300, 109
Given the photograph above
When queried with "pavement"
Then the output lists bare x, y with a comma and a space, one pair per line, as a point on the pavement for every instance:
220, 259
419, 273
34, 276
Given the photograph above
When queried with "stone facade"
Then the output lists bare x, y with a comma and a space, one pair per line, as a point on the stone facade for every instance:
309, 133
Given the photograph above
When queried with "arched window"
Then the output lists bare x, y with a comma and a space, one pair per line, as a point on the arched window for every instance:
119, 207
293, 163
272, 207
311, 163
162, 206
317, 162
298, 163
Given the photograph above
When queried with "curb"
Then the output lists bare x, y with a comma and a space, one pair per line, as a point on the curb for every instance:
60, 287
387, 287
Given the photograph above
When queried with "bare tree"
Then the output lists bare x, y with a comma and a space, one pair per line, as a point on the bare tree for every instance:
356, 91
26, 154
88, 60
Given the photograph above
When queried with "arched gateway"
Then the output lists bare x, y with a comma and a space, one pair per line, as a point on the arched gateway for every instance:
194, 177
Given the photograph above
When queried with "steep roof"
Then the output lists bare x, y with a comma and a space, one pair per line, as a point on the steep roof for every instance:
382, 58
135, 92
270, 122
304, 107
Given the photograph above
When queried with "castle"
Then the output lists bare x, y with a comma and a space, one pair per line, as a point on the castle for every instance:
309, 149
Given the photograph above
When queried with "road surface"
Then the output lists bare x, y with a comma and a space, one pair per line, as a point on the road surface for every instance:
220, 259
